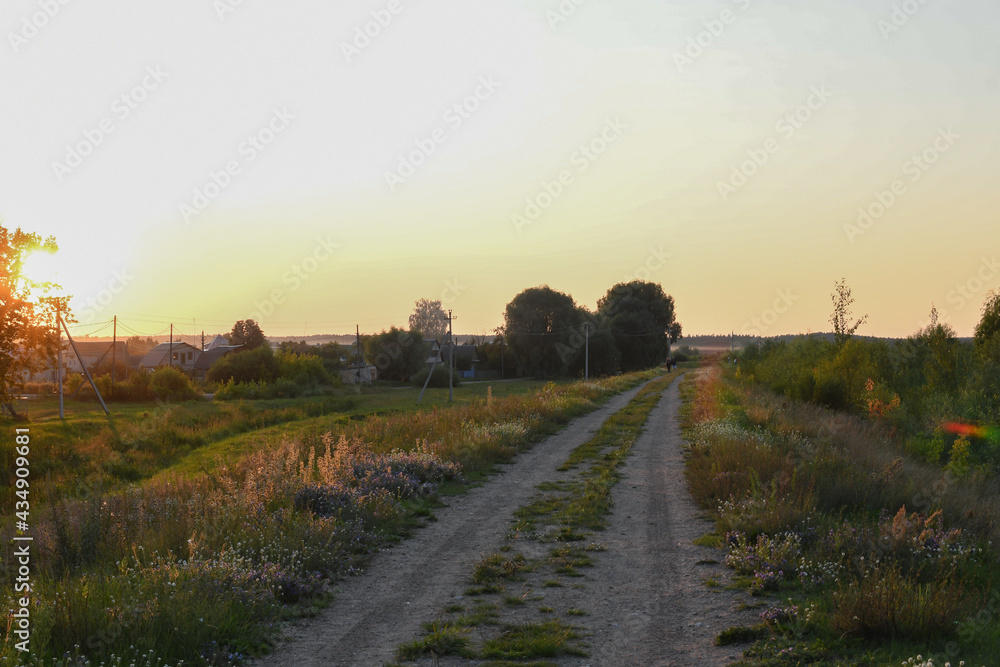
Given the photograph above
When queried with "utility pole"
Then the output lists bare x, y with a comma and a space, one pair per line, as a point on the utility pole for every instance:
357, 332
83, 365
170, 349
503, 344
202, 340
62, 414
451, 359
586, 361
114, 352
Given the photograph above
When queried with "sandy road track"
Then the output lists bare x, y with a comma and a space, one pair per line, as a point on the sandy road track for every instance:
407, 584
650, 603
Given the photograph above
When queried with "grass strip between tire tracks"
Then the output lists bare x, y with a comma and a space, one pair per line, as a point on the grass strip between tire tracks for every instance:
565, 512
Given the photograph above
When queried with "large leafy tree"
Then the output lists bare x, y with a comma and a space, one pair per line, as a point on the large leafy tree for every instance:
27, 313
398, 354
248, 334
429, 319
641, 317
544, 330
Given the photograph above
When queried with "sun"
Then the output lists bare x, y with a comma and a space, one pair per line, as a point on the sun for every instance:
41, 267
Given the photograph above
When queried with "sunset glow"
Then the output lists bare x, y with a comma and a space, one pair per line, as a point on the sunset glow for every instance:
350, 159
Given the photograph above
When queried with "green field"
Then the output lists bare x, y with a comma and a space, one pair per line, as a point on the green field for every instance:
141, 440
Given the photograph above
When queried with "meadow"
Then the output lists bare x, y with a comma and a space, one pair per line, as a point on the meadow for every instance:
856, 548
189, 532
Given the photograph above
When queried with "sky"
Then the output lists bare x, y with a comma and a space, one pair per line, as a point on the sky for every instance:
319, 166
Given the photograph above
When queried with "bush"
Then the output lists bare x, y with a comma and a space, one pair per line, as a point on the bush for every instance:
259, 365
885, 603
685, 353
305, 369
170, 384
439, 379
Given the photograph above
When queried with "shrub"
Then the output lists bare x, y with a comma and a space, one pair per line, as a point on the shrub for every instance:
170, 384
884, 603
258, 365
306, 370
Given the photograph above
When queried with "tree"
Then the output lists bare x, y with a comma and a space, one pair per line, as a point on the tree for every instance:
843, 327
940, 347
139, 346
331, 353
27, 314
429, 319
641, 318
544, 330
248, 334
257, 365
398, 354
988, 330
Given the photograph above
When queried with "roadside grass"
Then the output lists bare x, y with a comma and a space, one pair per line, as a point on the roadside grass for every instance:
201, 562
859, 554
564, 512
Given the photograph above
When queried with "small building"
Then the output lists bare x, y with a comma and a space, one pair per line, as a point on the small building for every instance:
178, 355
433, 351
359, 374
211, 355
466, 359
94, 354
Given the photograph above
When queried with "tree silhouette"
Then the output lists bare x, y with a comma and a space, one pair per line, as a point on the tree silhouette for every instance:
843, 327
248, 334
429, 319
27, 314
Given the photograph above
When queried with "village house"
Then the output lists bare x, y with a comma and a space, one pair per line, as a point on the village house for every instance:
178, 355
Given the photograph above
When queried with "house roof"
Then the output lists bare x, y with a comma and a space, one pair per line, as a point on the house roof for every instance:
218, 341
92, 350
156, 356
210, 356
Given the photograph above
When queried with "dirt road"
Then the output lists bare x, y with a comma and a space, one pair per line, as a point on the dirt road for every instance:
408, 584
645, 596
651, 606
